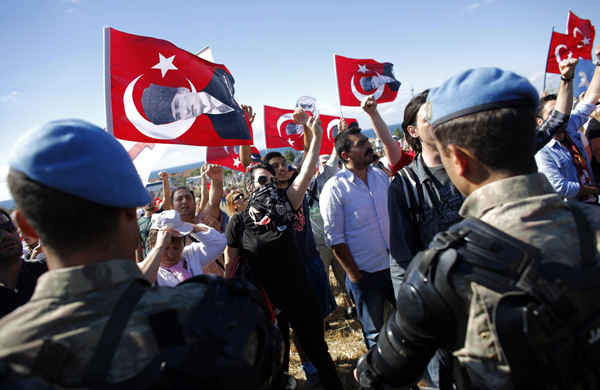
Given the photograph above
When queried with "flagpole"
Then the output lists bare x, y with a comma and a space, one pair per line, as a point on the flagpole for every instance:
107, 90
338, 85
548, 56
265, 129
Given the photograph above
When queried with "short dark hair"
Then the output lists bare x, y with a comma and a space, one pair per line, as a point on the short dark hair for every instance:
503, 139
270, 155
249, 178
181, 188
342, 142
153, 235
3, 211
410, 119
543, 101
62, 221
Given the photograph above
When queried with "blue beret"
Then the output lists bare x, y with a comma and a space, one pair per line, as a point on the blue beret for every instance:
477, 90
81, 159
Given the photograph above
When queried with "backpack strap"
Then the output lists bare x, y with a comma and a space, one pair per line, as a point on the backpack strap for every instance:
99, 365
411, 193
587, 237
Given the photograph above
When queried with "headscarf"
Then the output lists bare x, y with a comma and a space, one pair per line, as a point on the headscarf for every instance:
266, 205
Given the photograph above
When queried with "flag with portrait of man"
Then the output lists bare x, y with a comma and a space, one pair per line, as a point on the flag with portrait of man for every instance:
158, 93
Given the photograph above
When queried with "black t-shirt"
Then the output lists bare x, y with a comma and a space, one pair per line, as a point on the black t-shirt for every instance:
302, 227
10, 299
273, 255
451, 199
593, 131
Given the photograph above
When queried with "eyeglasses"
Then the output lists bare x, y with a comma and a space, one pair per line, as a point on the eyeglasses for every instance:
238, 197
262, 180
8, 227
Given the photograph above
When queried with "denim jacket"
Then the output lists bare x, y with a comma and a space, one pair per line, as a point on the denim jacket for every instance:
403, 245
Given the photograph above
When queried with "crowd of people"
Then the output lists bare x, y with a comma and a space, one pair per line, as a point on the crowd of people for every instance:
496, 198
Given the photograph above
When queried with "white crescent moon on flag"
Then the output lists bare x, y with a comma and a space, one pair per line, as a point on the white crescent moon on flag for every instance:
330, 127
557, 52
226, 151
281, 120
360, 96
575, 31
167, 131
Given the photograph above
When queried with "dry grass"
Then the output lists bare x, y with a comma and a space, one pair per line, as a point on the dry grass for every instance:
345, 345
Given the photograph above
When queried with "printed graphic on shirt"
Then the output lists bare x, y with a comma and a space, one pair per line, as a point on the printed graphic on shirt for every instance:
451, 202
300, 221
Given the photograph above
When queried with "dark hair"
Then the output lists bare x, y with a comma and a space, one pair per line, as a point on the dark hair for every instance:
249, 178
270, 155
503, 139
153, 235
342, 142
63, 221
3, 211
410, 119
182, 188
543, 101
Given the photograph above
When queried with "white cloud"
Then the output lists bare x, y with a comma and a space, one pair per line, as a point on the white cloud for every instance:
4, 192
470, 8
71, 1
11, 96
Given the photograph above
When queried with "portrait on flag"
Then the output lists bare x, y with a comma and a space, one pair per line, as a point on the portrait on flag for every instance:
358, 79
278, 123
561, 47
583, 32
583, 75
159, 93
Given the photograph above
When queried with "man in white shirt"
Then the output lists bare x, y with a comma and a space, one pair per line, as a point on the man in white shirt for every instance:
354, 206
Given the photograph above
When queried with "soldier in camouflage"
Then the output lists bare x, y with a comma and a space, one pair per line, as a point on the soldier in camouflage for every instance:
64, 334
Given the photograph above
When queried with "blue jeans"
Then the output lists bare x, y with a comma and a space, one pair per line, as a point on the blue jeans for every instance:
369, 295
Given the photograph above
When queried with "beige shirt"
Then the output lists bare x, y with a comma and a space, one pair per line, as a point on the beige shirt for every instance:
527, 208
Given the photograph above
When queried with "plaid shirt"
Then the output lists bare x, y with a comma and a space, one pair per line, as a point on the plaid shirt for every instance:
555, 123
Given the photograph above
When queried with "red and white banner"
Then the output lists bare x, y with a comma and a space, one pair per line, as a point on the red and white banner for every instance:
282, 132
159, 93
229, 156
144, 157
584, 34
357, 79
561, 46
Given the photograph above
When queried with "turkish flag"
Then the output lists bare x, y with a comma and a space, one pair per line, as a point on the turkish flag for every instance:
357, 79
229, 156
159, 93
561, 46
282, 132
583, 32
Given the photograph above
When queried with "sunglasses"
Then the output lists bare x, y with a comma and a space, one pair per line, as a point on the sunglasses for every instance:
8, 227
238, 197
262, 180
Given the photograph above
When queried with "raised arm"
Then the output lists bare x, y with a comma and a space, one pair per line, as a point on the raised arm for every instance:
215, 173
593, 92
166, 190
245, 150
390, 146
301, 118
203, 187
298, 188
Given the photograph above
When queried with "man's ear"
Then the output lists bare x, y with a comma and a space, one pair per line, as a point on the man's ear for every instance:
131, 213
345, 156
23, 225
459, 158
539, 121
412, 130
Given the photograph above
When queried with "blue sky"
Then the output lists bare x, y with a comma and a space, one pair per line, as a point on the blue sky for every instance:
52, 50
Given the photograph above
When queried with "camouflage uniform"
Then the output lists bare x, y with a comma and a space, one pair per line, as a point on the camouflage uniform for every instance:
73, 305
527, 208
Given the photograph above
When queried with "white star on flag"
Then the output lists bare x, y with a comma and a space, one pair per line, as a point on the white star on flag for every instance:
165, 64
570, 54
585, 41
363, 68
290, 142
236, 162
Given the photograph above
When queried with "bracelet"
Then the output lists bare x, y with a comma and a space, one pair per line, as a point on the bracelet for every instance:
598, 63
567, 80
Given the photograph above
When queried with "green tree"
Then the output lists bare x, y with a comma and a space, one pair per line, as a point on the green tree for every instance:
195, 172
398, 133
290, 155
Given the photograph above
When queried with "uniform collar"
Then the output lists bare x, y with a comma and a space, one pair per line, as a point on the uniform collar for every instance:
85, 278
505, 191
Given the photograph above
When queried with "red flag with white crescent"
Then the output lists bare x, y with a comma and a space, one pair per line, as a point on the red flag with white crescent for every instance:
562, 46
229, 156
159, 93
358, 79
584, 34
282, 132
